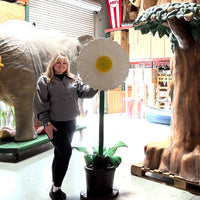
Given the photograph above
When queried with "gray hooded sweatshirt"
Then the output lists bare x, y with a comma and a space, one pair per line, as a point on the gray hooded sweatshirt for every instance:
58, 100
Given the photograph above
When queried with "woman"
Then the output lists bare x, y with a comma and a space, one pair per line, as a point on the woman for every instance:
56, 106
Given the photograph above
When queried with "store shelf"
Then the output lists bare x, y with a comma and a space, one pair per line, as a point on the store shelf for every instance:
153, 61
163, 98
118, 29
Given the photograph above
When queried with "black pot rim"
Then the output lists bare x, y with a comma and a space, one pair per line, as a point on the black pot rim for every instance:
109, 168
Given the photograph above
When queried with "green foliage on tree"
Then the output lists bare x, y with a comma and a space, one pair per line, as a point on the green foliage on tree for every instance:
155, 19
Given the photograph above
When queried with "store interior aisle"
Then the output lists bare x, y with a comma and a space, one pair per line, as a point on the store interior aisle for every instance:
30, 178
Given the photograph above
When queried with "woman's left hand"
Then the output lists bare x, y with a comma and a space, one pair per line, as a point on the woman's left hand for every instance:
49, 130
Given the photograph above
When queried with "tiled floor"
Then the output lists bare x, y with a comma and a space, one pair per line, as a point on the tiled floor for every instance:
30, 179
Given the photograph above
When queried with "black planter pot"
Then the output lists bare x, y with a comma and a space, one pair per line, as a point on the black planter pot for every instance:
99, 184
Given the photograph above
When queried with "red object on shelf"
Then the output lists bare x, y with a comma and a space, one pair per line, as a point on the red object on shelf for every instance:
115, 12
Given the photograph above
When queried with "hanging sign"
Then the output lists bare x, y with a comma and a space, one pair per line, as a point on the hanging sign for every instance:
115, 12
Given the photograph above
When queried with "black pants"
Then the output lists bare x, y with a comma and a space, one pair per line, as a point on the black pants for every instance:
62, 139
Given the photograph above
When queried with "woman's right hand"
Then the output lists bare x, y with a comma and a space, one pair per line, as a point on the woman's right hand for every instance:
49, 130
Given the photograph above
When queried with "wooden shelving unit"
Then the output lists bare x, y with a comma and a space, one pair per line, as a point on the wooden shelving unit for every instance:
126, 36
163, 88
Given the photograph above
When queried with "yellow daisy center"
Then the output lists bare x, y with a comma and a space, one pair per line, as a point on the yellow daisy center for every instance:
103, 64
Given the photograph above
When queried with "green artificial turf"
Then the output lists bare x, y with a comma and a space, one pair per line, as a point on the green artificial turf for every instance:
11, 146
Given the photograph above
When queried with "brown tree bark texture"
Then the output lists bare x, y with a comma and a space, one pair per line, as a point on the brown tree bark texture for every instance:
180, 153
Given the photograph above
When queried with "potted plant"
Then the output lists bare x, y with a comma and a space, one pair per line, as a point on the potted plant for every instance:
104, 72
100, 164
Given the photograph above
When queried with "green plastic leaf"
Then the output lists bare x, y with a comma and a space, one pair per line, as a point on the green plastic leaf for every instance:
161, 31
164, 16
145, 30
196, 10
115, 161
112, 150
177, 5
81, 149
191, 5
183, 10
89, 159
168, 31
153, 31
159, 15
179, 15
172, 14
95, 150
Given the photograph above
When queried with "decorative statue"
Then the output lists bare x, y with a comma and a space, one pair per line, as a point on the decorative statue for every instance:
180, 153
25, 51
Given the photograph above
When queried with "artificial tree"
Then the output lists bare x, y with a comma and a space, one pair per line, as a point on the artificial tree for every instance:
180, 153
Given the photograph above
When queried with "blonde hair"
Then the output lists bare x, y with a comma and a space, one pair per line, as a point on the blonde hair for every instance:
50, 71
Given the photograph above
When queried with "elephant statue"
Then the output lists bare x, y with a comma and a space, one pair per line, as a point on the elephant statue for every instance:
25, 51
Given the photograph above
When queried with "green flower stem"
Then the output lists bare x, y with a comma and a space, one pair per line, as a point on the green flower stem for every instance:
101, 123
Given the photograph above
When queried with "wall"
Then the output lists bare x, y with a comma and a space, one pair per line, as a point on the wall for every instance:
9, 11
101, 20
148, 46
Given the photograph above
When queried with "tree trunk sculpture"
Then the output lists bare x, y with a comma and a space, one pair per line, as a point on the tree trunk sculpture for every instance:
180, 153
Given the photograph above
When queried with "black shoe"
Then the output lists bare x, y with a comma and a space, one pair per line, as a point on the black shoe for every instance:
58, 195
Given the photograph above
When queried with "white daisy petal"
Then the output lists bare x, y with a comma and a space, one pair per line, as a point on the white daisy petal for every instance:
103, 64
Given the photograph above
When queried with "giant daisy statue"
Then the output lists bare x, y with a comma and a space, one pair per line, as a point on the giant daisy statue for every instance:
104, 65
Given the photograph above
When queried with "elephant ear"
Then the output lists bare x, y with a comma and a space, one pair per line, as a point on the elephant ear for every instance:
83, 40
